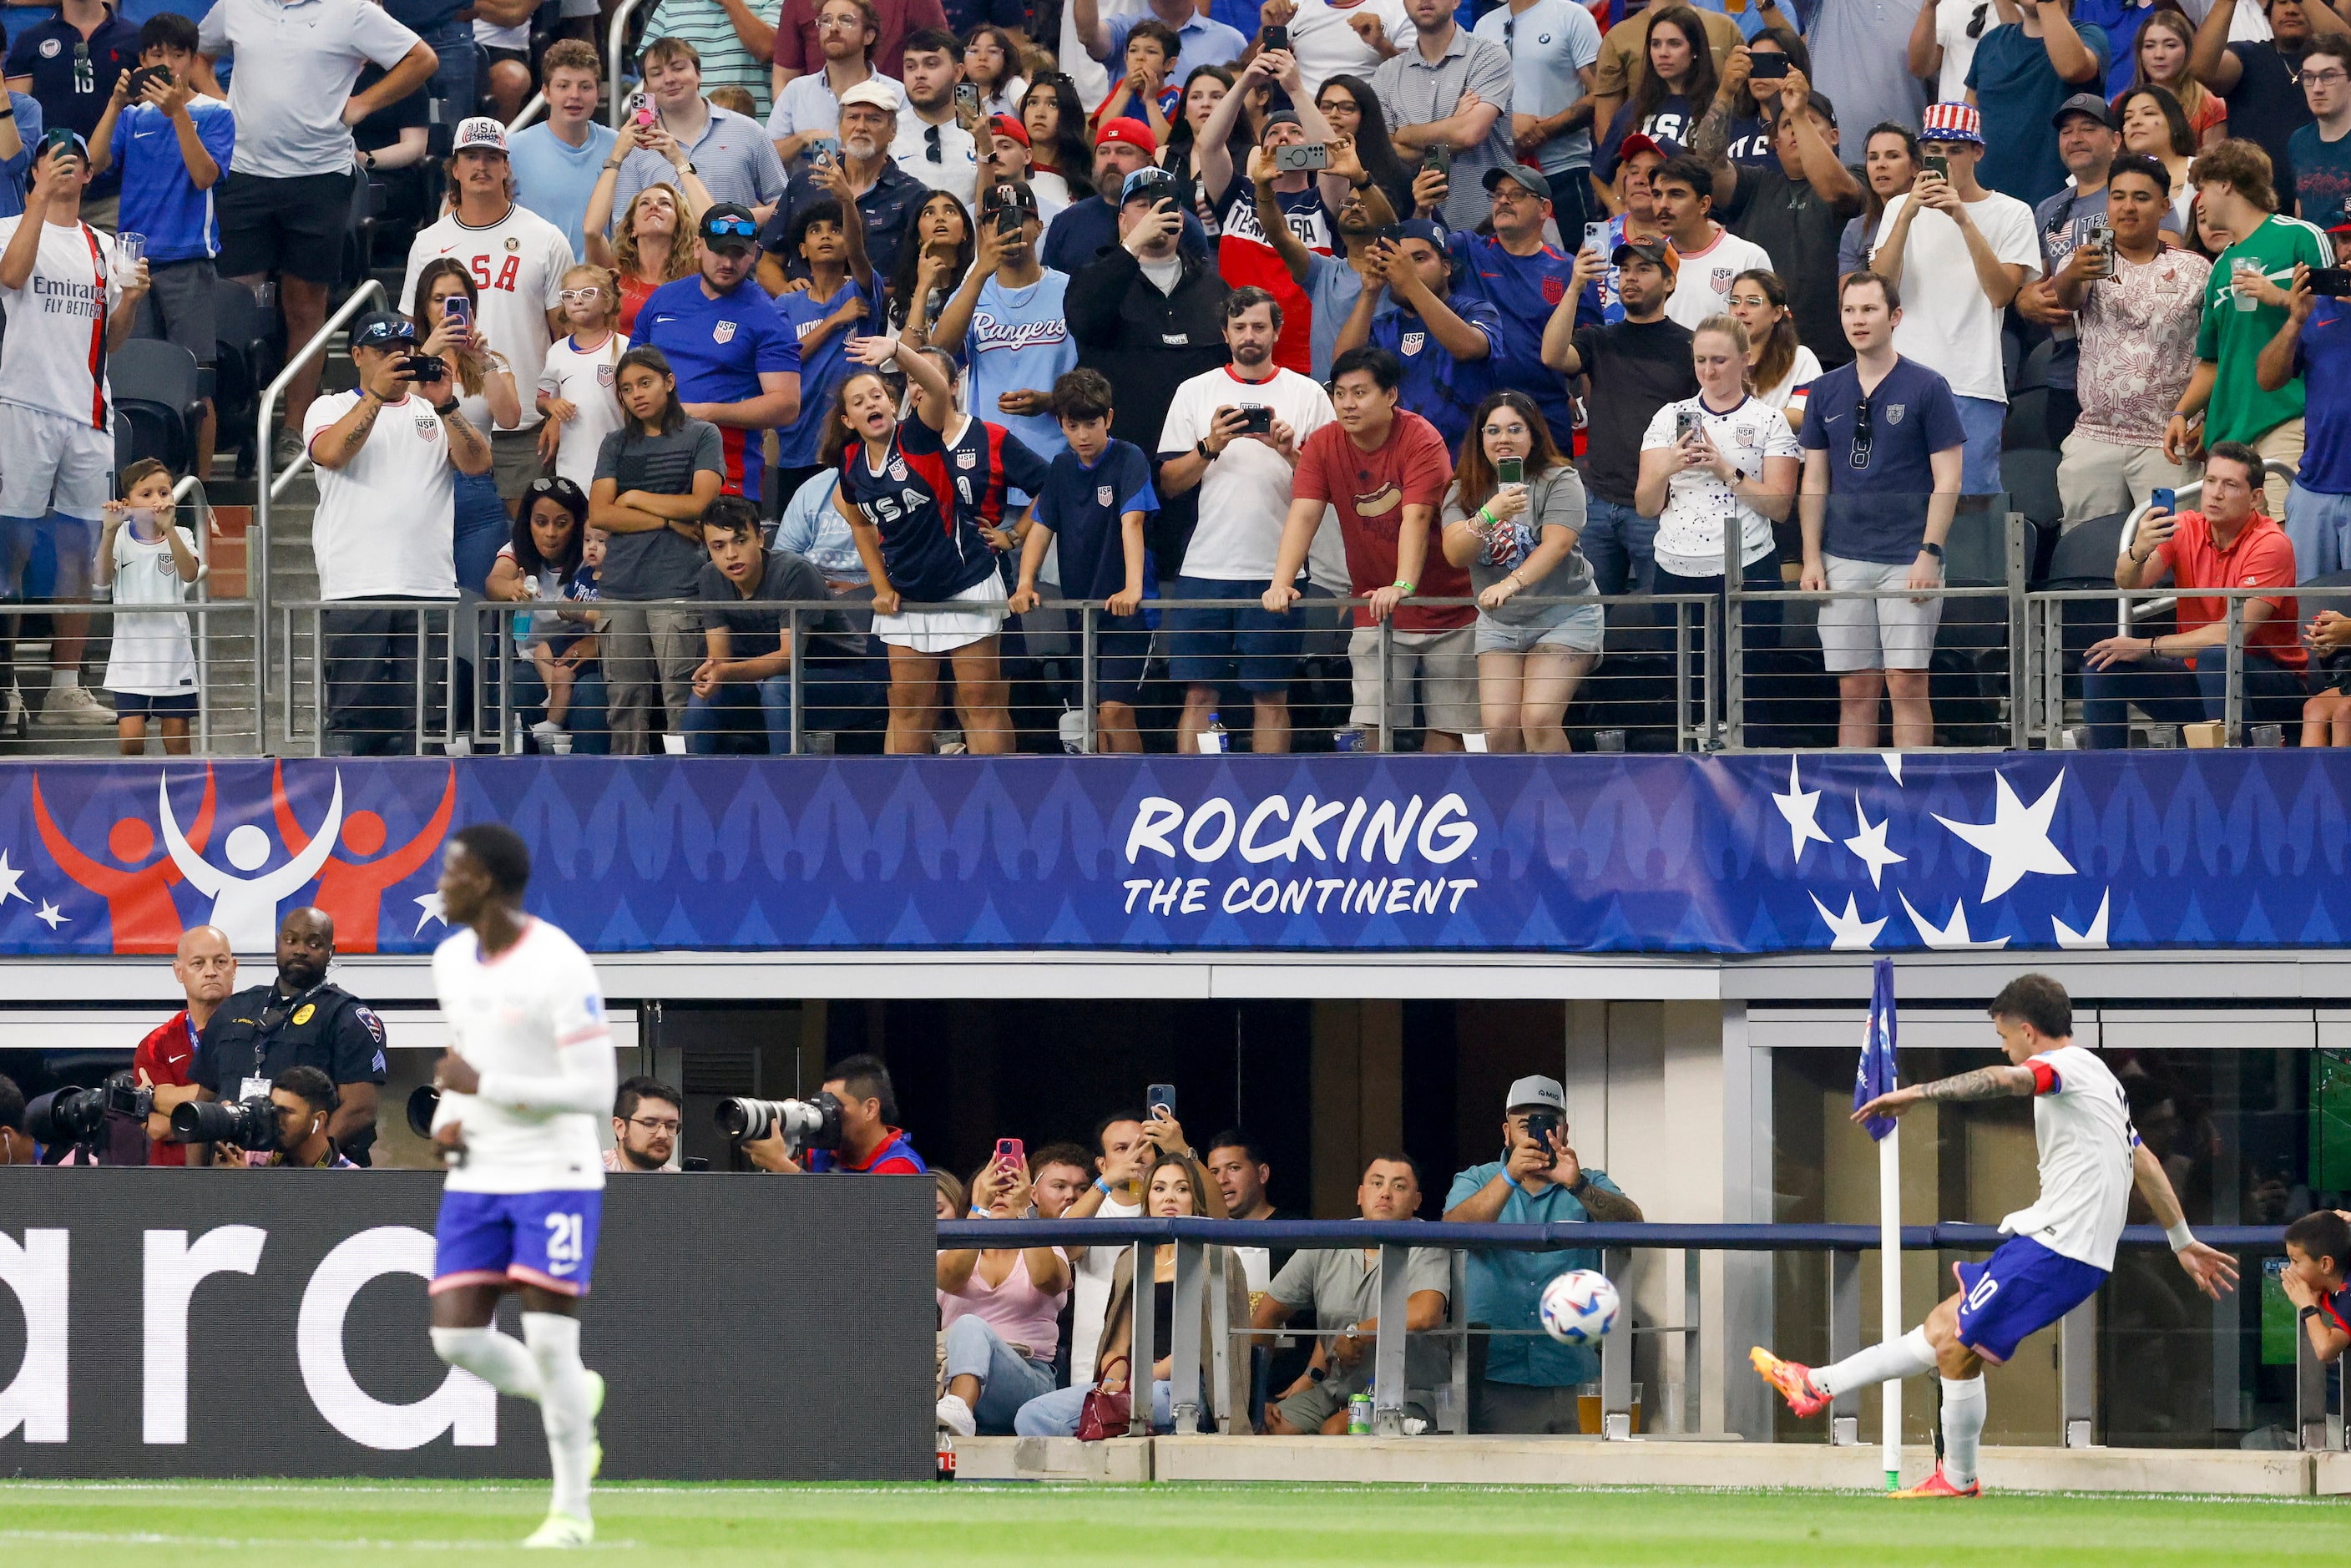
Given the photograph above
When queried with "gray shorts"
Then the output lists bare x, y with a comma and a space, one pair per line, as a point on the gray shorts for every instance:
1446, 664
515, 461
1570, 628
1897, 633
1307, 1409
183, 292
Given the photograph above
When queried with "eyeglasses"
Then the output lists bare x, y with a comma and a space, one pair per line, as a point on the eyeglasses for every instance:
669, 1124
1976, 22
2325, 78
722, 228
580, 295
1859, 457
931, 145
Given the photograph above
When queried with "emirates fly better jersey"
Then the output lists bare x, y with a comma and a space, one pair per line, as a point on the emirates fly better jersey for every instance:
2082, 1126
531, 1021
54, 356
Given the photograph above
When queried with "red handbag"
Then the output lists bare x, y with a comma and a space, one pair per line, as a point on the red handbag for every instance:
1105, 1413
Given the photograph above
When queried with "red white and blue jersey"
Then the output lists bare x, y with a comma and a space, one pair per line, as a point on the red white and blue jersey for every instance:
1524, 290
1245, 256
2082, 1126
894, 1157
931, 545
989, 465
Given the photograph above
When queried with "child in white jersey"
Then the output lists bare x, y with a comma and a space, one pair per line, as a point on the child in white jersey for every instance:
148, 558
576, 389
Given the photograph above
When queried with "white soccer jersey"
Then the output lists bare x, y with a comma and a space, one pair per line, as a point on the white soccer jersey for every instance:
385, 522
152, 654
54, 353
531, 1020
2082, 1126
586, 381
517, 265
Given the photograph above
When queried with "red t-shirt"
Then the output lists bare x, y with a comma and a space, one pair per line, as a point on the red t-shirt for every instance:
162, 1060
2261, 556
1370, 490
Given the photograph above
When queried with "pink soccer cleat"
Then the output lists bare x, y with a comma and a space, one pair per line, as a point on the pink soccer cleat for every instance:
1936, 1486
1793, 1380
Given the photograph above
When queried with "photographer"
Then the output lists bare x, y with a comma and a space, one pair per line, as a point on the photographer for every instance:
304, 1100
299, 1019
385, 527
1529, 1383
16, 1145
868, 1144
206, 971
647, 1116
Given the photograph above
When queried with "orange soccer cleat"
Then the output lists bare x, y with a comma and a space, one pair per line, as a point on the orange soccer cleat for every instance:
1936, 1486
1793, 1380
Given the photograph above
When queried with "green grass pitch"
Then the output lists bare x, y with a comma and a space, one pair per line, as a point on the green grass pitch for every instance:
185, 1524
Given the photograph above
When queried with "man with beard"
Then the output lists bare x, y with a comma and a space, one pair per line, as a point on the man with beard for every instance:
885, 192
647, 1115
738, 363
298, 1020
933, 143
1090, 228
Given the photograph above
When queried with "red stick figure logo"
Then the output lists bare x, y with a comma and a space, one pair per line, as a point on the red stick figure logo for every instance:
138, 900
350, 891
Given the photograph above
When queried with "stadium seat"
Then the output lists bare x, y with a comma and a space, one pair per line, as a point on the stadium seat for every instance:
2031, 475
158, 397
2085, 557
2026, 428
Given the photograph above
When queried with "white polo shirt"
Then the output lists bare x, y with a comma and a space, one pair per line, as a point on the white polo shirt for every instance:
296, 62
386, 522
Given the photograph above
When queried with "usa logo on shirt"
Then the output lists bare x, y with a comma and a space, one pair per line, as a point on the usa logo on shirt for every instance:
1555, 290
898, 469
967, 459
1101, 496
1412, 343
603, 375
723, 332
1893, 413
1720, 279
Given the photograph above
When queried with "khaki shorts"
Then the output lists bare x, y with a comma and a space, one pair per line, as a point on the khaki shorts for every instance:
1895, 633
515, 461
1446, 664
1307, 1409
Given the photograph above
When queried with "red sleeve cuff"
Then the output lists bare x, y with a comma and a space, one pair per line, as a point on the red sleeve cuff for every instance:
2044, 1077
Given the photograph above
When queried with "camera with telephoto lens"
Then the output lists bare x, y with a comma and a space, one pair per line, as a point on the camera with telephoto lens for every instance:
806, 1124
250, 1125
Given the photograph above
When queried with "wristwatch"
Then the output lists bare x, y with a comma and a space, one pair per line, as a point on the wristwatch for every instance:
445, 408
1201, 446
1932, 549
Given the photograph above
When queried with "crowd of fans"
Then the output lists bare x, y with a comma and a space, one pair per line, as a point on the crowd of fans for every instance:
956, 316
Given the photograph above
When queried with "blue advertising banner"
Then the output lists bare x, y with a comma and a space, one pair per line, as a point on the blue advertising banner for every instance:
1581, 854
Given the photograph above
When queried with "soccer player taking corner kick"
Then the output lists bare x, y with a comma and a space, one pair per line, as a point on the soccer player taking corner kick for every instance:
522, 1088
2058, 1252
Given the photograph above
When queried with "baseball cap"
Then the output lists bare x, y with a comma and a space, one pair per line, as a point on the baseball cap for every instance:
1536, 1090
1956, 122
728, 226
874, 93
1133, 132
381, 329
2088, 104
1655, 252
1532, 179
1005, 125
480, 131
1641, 142
1151, 184
1427, 229
64, 136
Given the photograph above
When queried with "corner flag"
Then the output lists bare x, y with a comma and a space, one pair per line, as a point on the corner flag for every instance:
1877, 1075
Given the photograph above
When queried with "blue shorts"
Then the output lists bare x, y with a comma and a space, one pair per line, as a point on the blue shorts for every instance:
1984, 419
1245, 644
2019, 1290
543, 1238
139, 705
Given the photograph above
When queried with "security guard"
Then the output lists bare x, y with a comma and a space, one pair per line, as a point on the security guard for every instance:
299, 1020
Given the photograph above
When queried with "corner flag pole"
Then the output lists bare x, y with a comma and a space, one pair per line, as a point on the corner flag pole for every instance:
1877, 1075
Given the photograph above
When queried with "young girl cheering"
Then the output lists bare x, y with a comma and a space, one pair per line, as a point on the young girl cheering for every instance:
577, 390
920, 545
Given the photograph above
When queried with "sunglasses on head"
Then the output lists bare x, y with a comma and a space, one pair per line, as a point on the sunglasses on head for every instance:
722, 228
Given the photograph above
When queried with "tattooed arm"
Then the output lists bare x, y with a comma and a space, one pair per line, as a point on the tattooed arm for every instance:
340, 442
1999, 1083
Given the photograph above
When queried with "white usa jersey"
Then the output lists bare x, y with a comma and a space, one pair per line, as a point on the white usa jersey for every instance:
517, 265
531, 1021
2082, 1126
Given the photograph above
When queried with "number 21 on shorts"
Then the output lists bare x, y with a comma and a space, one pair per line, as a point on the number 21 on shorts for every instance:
565, 1241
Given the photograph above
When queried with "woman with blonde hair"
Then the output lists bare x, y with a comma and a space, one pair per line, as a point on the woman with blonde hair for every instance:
652, 244
2162, 51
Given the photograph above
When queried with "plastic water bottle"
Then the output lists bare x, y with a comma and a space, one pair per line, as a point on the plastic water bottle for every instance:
1359, 1412
1213, 740
947, 1455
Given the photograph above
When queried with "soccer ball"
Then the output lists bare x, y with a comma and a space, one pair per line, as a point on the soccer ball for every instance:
1579, 1307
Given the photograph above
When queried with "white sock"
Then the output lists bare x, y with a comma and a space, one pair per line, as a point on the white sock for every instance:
498, 1360
1881, 1363
554, 1341
1963, 1423
64, 680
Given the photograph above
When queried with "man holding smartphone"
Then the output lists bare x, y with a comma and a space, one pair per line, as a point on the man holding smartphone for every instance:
1529, 1381
1451, 90
2313, 346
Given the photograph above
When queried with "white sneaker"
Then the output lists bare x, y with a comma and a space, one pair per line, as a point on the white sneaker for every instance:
955, 1415
561, 1531
13, 721
74, 704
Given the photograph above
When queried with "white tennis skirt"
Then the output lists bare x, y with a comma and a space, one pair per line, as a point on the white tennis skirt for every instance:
945, 630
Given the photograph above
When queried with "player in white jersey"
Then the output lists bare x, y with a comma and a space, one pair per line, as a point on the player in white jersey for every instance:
2059, 1251
522, 1089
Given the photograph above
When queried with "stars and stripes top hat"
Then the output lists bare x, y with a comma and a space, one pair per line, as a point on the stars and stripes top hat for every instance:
1952, 123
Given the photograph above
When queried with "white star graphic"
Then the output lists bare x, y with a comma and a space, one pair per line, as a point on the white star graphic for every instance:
2017, 838
1893, 760
48, 914
2096, 936
1800, 805
9, 878
1942, 937
1870, 845
1849, 930
428, 907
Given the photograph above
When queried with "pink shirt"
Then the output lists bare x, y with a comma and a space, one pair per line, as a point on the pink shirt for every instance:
1018, 1312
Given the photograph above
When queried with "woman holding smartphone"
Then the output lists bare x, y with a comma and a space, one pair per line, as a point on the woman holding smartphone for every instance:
489, 399
1513, 519
999, 1308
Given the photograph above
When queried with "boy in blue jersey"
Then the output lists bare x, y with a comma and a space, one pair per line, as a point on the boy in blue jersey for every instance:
172, 144
1525, 278
1446, 340
839, 299
1097, 499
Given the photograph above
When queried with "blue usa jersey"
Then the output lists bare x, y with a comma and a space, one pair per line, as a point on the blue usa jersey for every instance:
930, 547
1084, 505
822, 368
1440, 388
1525, 290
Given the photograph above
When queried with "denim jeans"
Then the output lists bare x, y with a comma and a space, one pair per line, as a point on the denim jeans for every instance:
1622, 545
1055, 1415
1008, 1380
454, 78
741, 708
2177, 691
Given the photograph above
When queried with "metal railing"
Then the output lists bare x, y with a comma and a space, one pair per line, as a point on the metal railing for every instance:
1199, 1284
527, 114
616, 54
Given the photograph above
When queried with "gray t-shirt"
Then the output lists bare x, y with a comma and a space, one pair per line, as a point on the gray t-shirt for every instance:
1343, 1287
661, 563
1554, 499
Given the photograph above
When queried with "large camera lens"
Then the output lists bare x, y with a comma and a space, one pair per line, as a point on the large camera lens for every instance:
66, 1115
247, 1123
811, 1125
